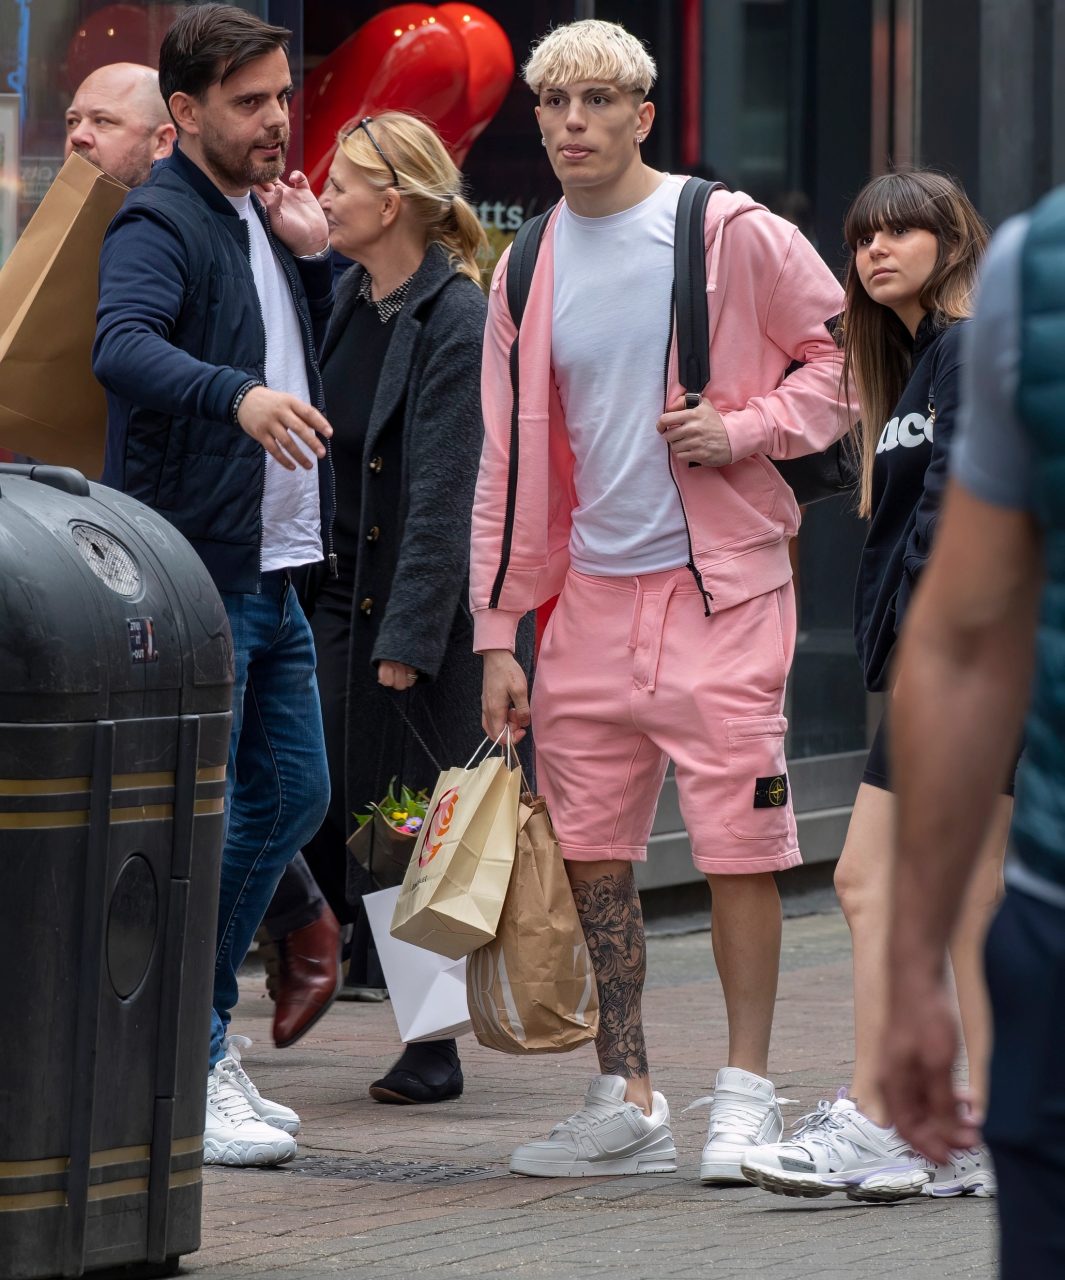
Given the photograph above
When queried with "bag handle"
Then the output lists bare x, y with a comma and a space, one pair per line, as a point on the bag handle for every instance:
508, 750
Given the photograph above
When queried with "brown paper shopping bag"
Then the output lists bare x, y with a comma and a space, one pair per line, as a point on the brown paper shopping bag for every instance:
51, 407
532, 989
457, 879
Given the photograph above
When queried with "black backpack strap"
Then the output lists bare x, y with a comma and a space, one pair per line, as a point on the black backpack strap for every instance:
520, 267
522, 263
689, 277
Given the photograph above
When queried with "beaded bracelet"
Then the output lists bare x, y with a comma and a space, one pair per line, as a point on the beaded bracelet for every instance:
238, 399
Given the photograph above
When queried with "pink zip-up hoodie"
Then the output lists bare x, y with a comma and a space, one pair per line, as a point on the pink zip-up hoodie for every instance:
769, 297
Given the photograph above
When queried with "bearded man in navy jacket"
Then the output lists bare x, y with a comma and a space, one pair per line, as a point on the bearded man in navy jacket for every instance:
215, 288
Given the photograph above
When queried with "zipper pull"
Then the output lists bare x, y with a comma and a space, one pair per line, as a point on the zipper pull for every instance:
708, 599
333, 571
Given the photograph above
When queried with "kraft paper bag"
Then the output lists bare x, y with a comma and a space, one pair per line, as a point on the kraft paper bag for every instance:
427, 991
533, 989
454, 887
51, 406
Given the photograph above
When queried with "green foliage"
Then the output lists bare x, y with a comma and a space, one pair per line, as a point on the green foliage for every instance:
397, 808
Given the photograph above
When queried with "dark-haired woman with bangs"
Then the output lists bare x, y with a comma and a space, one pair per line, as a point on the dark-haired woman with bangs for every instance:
916, 243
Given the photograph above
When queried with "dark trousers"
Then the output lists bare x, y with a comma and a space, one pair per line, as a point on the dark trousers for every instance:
319, 872
1025, 1127
297, 900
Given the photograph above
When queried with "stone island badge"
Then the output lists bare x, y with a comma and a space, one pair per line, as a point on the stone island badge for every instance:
771, 793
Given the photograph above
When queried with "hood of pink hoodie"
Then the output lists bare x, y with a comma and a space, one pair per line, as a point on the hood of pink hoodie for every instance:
769, 297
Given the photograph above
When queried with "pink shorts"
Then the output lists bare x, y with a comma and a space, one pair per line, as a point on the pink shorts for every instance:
632, 674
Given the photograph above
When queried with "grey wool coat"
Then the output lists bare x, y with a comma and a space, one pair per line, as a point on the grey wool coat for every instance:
410, 602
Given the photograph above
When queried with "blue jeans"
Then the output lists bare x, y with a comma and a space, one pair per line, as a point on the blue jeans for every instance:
277, 782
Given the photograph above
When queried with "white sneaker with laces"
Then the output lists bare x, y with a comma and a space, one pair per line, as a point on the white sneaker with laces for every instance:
968, 1173
608, 1136
836, 1148
272, 1113
744, 1113
233, 1134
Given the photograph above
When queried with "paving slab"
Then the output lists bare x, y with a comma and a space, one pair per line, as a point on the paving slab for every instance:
380, 1191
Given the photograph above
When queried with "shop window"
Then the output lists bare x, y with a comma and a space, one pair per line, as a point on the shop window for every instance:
47, 47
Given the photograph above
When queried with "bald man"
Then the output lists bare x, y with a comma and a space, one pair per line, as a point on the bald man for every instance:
119, 121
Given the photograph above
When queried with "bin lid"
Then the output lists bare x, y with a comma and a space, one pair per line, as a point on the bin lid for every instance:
106, 611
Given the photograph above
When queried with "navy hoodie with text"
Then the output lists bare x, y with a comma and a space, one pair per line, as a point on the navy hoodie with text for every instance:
909, 476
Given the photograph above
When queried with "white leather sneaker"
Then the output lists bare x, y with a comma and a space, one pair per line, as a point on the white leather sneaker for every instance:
272, 1113
967, 1173
233, 1134
744, 1113
608, 1136
837, 1148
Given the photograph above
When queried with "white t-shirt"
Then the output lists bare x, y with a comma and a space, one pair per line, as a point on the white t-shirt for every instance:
291, 512
609, 334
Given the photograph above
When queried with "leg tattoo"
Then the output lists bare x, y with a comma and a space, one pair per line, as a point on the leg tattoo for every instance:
609, 908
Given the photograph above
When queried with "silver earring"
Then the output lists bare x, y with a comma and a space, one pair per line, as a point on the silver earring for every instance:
543, 141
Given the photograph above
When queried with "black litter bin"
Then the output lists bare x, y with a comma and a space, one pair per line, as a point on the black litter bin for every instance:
115, 685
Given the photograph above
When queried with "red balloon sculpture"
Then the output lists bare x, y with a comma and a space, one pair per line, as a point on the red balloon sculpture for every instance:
451, 64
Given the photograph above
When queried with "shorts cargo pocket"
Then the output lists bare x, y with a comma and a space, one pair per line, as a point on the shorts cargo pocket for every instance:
759, 795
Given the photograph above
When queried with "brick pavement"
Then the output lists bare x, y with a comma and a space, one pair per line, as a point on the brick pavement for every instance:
386, 1192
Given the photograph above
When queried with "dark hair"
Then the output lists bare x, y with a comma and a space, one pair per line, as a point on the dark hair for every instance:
209, 42
877, 349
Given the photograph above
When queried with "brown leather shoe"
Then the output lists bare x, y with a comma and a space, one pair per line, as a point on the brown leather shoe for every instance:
310, 977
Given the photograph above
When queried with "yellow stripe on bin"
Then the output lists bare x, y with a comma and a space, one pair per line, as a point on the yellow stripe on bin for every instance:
62, 818
186, 1177
33, 1168
118, 1155
136, 781
112, 1190
143, 813
121, 782
186, 1146
43, 786
80, 817
33, 1200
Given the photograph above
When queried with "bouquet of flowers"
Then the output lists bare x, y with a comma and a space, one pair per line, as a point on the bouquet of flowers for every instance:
381, 845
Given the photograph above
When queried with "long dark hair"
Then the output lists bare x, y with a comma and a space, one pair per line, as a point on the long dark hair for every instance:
876, 344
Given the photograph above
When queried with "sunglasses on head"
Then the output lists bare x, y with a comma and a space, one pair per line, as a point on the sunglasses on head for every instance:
364, 125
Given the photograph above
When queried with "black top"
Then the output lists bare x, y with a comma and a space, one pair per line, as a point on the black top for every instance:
351, 372
909, 476
419, 472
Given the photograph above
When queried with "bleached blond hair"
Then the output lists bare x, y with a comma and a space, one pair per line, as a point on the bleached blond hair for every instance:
590, 50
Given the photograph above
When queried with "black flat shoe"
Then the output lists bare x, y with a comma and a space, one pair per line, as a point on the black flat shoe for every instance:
429, 1072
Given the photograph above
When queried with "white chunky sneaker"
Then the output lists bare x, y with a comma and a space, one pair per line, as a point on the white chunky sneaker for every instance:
836, 1148
608, 1136
272, 1113
744, 1113
233, 1134
968, 1173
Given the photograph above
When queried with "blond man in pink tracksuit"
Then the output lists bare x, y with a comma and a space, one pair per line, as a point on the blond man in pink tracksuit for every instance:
675, 627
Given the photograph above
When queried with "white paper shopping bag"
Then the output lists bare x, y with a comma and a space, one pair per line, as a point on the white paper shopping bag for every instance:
428, 991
